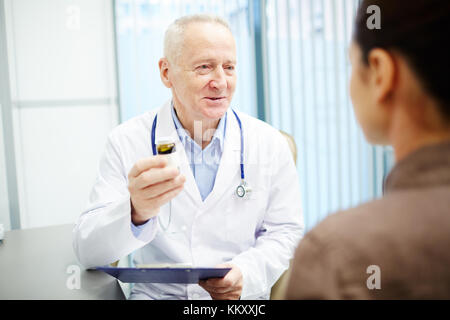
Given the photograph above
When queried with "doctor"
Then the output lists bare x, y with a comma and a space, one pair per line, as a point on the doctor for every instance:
194, 215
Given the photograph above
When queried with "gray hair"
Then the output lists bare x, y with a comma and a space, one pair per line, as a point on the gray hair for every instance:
173, 38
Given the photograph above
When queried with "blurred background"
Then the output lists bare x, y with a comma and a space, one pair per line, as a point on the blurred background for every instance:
71, 70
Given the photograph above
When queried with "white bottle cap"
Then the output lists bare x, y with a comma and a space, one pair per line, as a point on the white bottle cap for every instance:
2, 232
165, 140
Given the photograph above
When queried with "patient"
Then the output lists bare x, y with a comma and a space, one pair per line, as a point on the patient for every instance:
396, 247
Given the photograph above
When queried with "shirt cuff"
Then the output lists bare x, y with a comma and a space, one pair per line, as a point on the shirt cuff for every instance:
144, 231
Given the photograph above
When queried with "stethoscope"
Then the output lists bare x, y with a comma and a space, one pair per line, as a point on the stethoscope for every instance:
243, 189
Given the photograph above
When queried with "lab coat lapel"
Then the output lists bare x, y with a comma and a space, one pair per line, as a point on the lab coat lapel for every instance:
229, 169
166, 128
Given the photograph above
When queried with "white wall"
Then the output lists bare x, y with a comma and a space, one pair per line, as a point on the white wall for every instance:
61, 57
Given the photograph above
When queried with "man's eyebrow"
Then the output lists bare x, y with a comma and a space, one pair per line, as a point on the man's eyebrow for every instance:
203, 60
209, 60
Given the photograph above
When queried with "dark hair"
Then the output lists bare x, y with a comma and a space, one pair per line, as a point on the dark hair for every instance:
419, 30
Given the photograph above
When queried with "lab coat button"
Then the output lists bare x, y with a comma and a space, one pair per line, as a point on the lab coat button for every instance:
183, 228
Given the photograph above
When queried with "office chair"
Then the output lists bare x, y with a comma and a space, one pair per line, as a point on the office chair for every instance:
279, 288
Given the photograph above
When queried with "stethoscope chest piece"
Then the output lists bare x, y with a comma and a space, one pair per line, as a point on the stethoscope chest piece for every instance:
243, 190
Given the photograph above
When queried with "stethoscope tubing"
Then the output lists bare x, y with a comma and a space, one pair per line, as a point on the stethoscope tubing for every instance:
155, 152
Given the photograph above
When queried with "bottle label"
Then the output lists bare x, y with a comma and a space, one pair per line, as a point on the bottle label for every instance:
173, 160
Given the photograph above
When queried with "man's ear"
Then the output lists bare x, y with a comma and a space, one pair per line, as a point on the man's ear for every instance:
383, 71
164, 72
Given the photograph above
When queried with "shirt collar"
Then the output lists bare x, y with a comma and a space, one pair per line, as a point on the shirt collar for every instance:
219, 134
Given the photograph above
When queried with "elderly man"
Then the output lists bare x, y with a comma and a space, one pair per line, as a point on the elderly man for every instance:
234, 202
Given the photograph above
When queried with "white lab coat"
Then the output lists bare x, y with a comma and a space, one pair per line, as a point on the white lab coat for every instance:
258, 234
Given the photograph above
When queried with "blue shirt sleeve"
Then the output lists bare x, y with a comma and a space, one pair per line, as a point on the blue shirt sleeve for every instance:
138, 231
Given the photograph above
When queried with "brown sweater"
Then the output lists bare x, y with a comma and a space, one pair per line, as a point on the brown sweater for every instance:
406, 234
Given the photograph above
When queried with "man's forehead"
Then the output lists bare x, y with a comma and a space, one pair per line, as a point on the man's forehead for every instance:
212, 58
210, 34
208, 45
201, 41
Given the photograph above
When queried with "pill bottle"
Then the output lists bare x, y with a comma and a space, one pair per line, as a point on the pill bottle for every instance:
166, 146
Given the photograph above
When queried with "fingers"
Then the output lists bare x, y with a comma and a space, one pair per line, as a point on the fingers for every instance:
152, 184
163, 187
220, 285
216, 293
144, 209
166, 197
226, 288
230, 279
154, 176
146, 164
214, 289
235, 295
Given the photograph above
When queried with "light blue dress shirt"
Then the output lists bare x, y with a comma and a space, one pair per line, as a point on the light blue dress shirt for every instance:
204, 162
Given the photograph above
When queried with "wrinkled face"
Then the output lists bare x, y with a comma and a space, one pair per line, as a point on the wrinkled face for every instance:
370, 115
203, 77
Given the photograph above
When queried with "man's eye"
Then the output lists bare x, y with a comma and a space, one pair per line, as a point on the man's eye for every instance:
229, 68
203, 69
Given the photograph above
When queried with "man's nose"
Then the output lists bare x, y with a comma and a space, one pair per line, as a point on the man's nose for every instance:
219, 80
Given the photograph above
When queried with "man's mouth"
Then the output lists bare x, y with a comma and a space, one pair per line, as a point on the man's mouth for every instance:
215, 98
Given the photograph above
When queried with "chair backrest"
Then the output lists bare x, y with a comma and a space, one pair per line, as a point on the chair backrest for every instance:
292, 145
279, 288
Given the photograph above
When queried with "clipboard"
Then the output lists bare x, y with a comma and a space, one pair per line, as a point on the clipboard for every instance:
164, 275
